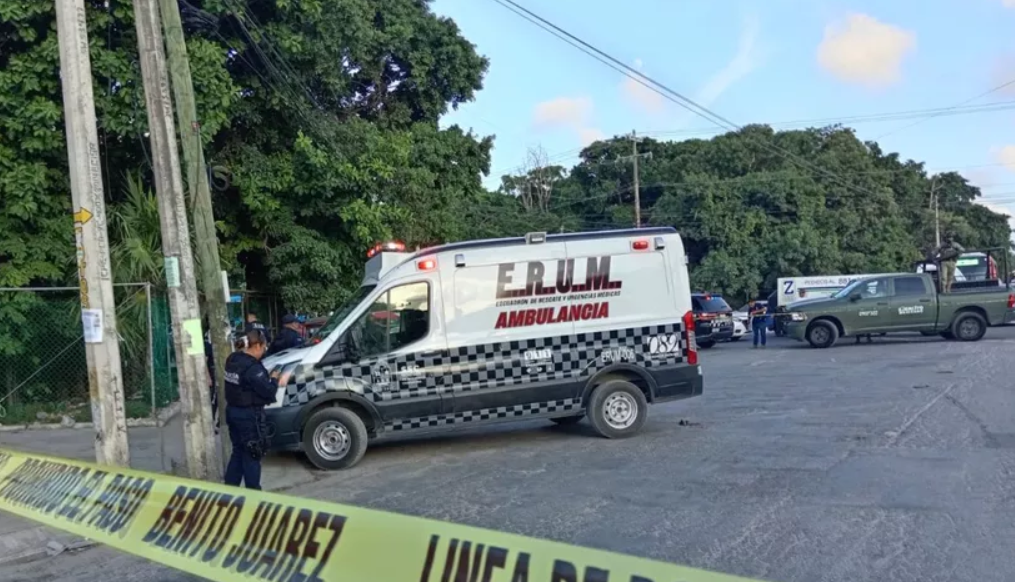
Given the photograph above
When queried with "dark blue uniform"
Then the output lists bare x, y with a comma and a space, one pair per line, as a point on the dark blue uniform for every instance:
249, 389
287, 339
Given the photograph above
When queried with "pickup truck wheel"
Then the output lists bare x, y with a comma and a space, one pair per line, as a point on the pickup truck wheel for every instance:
617, 409
822, 334
334, 438
969, 327
706, 344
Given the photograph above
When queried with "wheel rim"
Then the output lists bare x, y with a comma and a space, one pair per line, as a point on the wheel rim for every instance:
331, 440
819, 335
969, 328
620, 410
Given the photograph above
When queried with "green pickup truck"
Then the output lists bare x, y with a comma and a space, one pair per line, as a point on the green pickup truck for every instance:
905, 302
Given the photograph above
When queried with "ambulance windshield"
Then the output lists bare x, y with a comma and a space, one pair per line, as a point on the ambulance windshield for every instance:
350, 304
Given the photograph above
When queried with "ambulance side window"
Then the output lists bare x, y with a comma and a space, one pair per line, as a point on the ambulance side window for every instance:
397, 318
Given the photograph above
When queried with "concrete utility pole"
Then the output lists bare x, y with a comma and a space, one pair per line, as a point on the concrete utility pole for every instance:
98, 304
200, 197
203, 460
937, 216
637, 186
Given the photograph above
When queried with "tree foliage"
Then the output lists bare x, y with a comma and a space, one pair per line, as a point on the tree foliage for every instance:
755, 204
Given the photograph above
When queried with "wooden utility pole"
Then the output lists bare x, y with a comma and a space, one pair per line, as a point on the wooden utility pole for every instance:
198, 430
637, 178
200, 198
95, 273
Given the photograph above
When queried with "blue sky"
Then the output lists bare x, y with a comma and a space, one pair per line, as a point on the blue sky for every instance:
751, 61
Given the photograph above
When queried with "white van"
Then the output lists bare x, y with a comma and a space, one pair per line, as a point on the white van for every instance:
559, 327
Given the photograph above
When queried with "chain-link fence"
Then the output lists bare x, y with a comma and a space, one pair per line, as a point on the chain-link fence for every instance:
43, 368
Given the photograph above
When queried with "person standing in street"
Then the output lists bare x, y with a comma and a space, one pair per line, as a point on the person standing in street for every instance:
249, 388
289, 336
947, 256
759, 322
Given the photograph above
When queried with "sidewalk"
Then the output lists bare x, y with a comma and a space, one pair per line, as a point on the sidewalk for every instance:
156, 449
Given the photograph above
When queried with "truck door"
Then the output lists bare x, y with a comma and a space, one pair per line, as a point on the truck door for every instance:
400, 351
912, 305
871, 309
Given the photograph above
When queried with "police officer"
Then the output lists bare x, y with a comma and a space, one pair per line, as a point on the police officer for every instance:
249, 388
253, 323
289, 336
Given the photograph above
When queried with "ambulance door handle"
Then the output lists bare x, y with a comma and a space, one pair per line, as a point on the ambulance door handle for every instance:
431, 353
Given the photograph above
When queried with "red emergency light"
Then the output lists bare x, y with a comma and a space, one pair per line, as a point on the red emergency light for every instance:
640, 245
386, 247
426, 265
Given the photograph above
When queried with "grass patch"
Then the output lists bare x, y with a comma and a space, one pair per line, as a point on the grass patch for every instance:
53, 412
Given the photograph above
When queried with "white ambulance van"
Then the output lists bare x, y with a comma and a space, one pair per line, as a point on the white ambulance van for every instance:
558, 327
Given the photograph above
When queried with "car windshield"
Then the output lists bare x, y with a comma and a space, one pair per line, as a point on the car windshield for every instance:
845, 291
711, 304
336, 319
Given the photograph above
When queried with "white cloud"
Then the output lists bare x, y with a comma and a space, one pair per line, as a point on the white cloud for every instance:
562, 112
1006, 155
642, 97
865, 51
742, 64
1008, 3
1004, 71
571, 113
588, 135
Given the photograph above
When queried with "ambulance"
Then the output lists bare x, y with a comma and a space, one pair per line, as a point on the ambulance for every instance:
561, 327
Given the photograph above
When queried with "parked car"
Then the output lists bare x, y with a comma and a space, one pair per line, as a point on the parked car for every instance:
739, 330
713, 319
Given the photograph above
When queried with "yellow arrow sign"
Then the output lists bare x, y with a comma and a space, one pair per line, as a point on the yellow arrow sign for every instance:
82, 216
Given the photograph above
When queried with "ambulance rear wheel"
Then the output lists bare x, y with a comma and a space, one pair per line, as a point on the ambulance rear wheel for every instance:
334, 438
617, 409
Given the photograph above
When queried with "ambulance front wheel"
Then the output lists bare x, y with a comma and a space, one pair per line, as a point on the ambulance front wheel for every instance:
334, 438
617, 409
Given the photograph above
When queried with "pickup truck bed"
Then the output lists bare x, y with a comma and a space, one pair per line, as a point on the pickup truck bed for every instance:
906, 302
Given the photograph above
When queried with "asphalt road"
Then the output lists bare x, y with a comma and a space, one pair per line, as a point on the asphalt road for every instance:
886, 462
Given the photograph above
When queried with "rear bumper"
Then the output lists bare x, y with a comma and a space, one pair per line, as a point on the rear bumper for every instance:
283, 425
677, 383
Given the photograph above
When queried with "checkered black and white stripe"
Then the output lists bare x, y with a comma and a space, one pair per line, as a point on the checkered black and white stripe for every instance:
485, 414
494, 365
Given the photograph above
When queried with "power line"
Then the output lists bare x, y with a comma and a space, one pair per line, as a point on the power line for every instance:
663, 90
952, 108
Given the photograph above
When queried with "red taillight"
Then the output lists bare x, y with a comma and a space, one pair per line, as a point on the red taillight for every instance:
692, 344
640, 245
706, 316
1011, 301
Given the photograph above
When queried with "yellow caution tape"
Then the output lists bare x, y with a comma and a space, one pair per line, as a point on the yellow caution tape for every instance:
226, 533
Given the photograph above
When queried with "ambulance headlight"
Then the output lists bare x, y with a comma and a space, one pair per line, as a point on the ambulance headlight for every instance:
797, 316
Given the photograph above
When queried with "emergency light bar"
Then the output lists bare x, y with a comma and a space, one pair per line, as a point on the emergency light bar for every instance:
386, 247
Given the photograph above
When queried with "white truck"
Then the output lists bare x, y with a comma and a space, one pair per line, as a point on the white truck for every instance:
795, 289
560, 327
